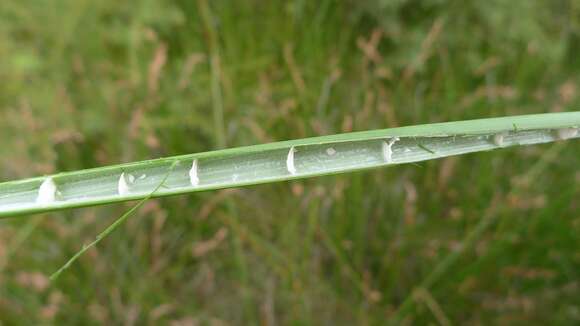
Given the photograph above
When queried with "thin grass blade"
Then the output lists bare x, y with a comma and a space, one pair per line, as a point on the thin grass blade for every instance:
281, 161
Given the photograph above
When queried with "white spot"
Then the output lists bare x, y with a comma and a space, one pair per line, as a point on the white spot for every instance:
388, 149
193, 176
567, 133
46, 192
131, 178
330, 151
142, 176
235, 177
498, 139
122, 186
290, 161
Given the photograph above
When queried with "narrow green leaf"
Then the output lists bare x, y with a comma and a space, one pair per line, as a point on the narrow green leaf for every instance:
110, 228
281, 161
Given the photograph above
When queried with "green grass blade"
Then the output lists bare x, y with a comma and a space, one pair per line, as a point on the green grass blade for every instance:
110, 228
281, 161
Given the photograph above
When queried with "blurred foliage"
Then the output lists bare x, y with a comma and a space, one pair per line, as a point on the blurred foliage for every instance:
85, 83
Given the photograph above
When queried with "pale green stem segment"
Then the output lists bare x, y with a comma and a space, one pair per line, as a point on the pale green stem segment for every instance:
281, 161
110, 228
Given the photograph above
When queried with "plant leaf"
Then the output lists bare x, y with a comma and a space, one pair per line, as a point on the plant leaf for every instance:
284, 160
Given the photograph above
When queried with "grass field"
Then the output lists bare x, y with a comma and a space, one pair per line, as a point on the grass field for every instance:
489, 238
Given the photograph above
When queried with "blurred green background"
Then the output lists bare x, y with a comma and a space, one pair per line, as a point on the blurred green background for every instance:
90, 83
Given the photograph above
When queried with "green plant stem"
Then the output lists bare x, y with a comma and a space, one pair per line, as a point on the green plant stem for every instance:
109, 229
286, 160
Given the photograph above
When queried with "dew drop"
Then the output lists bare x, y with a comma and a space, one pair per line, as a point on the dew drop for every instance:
46, 192
122, 186
290, 161
193, 175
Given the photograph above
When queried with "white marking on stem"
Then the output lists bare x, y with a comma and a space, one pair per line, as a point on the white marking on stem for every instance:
498, 139
46, 192
122, 186
388, 149
290, 161
143, 176
330, 151
193, 174
131, 178
567, 133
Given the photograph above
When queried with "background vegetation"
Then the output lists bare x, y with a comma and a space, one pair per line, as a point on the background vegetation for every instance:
89, 83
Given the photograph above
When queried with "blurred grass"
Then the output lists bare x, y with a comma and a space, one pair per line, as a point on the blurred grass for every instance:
87, 83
